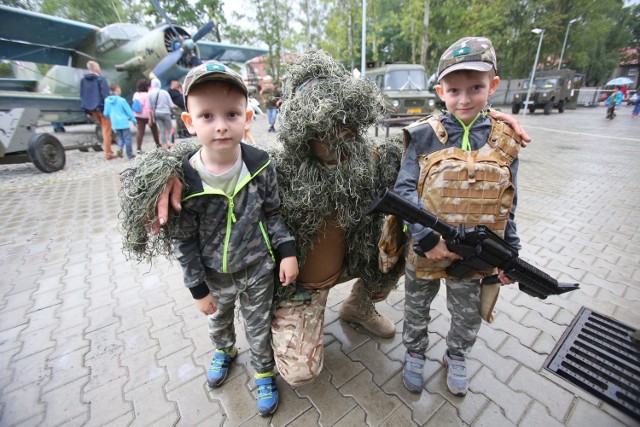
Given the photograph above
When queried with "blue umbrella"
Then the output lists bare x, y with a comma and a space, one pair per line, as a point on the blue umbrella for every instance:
620, 81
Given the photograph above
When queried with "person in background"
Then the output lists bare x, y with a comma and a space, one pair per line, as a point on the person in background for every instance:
119, 112
271, 97
175, 92
613, 101
93, 91
161, 106
142, 116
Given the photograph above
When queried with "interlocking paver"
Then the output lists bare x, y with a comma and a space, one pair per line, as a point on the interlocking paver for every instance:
341, 367
374, 401
330, 402
556, 399
90, 338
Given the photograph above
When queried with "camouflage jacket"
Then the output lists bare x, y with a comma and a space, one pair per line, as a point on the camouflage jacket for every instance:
229, 233
420, 140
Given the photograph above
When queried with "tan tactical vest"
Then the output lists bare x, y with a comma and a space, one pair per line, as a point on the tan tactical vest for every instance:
466, 187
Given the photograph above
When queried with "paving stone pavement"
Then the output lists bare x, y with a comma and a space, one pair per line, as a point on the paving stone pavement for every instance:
89, 338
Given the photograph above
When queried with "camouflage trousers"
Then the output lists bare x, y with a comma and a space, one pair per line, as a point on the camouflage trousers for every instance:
463, 303
298, 329
253, 287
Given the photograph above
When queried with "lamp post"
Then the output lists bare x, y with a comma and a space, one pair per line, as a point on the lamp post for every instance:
533, 70
566, 35
363, 47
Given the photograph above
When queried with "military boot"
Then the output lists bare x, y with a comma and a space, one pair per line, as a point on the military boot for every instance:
358, 308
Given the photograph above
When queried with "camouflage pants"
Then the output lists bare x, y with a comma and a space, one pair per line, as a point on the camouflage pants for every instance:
298, 329
253, 286
463, 303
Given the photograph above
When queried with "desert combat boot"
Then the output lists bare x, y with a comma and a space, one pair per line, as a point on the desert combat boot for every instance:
358, 308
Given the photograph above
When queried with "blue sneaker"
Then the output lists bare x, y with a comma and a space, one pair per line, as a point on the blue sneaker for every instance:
412, 371
267, 393
220, 366
457, 380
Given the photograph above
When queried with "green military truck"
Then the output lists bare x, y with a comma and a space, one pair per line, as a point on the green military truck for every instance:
405, 89
551, 89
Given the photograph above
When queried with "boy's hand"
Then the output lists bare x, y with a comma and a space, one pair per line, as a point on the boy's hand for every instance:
441, 253
288, 270
172, 193
513, 123
504, 279
206, 305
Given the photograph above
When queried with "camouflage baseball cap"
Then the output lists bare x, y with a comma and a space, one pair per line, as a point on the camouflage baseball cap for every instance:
212, 70
468, 53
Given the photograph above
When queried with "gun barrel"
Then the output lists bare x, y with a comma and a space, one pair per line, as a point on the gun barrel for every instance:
388, 202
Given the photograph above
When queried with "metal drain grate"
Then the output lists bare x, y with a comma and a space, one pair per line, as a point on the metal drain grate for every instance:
597, 354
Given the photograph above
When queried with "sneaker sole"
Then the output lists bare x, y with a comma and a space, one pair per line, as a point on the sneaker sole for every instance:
271, 412
411, 387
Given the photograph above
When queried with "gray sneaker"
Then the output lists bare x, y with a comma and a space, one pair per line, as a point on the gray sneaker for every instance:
412, 371
457, 380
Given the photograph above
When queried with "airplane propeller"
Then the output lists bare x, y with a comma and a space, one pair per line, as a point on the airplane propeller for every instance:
180, 45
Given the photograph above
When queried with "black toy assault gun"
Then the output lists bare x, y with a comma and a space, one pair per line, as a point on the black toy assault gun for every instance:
479, 247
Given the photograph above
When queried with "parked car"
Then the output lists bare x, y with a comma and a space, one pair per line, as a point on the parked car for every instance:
632, 99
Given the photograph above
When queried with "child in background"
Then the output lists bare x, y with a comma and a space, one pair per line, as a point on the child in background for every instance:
117, 109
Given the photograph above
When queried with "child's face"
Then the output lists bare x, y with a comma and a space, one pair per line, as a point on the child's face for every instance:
118, 91
217, 115
465, 93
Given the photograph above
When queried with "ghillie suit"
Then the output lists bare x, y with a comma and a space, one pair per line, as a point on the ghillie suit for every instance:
328, 173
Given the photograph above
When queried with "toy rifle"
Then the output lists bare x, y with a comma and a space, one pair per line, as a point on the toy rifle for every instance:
479, 247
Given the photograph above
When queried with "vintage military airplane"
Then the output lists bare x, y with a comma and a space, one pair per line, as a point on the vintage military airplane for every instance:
126, 52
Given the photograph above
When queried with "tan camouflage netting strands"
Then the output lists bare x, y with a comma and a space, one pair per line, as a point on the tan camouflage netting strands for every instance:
142, 184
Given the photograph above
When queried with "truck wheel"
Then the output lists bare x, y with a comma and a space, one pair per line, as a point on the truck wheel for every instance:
561, 106
46, 152
548, 107
532, 109
515, 108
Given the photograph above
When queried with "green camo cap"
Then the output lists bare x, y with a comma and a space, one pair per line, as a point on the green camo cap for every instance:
468, 53
212, 70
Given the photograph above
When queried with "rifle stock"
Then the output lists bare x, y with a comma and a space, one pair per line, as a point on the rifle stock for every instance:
479, 247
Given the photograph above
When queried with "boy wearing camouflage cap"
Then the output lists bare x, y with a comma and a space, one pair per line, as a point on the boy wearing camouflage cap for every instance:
230, 228
462, 166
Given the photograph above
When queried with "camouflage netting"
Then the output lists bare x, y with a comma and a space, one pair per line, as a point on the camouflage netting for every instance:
142, 184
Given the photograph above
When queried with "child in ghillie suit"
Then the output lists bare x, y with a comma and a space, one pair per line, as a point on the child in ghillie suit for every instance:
462, 166
118, 111
230, 228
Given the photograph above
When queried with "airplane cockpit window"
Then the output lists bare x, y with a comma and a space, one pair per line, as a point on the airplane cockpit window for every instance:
117, 34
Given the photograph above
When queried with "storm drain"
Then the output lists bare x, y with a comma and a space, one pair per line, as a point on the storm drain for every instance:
598, 354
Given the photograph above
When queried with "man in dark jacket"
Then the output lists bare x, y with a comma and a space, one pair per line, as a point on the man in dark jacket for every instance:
93, 91
175, 92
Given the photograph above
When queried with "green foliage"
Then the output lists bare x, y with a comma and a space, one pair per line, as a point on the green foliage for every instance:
5, 70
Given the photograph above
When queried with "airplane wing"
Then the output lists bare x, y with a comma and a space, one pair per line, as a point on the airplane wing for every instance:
35, 37
227, 52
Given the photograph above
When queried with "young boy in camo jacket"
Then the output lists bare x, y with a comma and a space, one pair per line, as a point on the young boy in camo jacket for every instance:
230, 228
462, 166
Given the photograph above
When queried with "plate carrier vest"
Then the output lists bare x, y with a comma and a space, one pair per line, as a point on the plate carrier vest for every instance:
466, 187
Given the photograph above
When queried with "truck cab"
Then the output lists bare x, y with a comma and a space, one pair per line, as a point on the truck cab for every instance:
551, 89
404, 88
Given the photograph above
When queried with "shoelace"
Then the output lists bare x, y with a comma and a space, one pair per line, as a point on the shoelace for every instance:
265, 394
216, 364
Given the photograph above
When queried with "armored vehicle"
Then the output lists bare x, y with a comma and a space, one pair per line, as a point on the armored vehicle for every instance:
551, 89
405, 89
